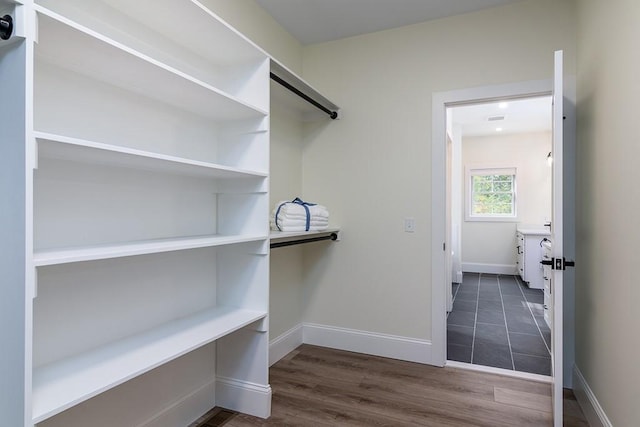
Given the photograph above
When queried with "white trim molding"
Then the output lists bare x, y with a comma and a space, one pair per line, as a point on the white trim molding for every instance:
285, 344
392, 346
477, 267
243, 396
182, 411
593, 412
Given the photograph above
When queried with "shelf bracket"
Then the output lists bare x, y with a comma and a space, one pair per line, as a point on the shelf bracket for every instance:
34, 292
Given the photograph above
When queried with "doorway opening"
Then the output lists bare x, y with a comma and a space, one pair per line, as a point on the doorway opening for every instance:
498, 196
441, 229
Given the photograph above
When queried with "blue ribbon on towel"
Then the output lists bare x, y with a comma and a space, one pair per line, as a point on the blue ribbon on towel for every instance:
302, 203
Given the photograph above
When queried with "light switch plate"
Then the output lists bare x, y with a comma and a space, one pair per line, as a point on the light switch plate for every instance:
409, 225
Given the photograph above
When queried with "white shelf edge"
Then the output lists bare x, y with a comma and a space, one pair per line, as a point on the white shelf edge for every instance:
64, 384
288, 236
145, 58
98, 252
123, 155
231, 28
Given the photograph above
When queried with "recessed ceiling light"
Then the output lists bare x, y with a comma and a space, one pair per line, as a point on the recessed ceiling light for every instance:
503, 105
498, 129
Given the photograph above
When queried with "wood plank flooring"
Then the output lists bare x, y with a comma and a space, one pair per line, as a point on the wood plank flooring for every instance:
315, 386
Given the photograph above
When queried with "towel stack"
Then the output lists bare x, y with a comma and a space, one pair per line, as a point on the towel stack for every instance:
298, 215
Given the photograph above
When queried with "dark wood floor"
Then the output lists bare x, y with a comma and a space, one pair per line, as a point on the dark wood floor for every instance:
315, 386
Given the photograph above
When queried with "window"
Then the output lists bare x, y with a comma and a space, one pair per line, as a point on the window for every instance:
491, 194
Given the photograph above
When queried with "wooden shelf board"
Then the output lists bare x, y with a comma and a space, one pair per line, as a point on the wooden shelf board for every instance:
97, 252
67, 148
61, 385
62, 39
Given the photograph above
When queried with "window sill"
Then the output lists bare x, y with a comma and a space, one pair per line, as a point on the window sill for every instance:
490, 219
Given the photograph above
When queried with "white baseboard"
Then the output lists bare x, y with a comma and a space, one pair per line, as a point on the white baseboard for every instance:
181, 413
473, 267
242, 396
395, 347
392, 346
588, 402
285, 344
457, 277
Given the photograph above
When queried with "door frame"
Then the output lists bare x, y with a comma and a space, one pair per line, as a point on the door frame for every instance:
440, 255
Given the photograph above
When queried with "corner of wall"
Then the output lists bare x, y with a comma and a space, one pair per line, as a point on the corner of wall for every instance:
588, 402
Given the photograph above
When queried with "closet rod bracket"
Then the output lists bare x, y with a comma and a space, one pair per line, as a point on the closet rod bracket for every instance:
6, 27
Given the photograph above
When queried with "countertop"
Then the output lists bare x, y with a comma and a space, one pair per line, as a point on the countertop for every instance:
538, 230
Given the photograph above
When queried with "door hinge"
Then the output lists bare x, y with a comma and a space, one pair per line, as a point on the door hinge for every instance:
558, 263
444, 246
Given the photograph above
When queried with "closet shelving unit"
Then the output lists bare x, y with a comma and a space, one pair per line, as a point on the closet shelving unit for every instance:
143, 129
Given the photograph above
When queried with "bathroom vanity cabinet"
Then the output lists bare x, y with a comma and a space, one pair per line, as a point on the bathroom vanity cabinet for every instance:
529, 254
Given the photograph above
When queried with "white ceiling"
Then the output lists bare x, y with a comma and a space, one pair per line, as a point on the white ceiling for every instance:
316, 21
520, 116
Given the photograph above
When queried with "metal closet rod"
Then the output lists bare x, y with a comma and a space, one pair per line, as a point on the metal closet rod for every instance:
332, 236
331, 113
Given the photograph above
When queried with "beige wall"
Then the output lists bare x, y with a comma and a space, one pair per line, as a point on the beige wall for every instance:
256, 24
286, 273
494, 242
372, 168
607, 291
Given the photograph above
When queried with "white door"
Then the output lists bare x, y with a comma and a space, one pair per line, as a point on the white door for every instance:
557, 242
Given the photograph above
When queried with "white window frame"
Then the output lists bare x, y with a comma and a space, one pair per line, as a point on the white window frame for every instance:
483, 170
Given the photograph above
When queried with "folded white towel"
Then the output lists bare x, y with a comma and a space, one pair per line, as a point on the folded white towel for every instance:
298, 216
291, 228
288, 208
300, 222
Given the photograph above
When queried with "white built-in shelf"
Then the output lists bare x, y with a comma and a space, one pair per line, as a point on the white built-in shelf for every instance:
293, 102
188, 24
80, 150
141, 86
46, 257
61, 385
72, 46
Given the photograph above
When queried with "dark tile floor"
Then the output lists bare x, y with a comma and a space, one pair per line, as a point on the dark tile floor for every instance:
498, 321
